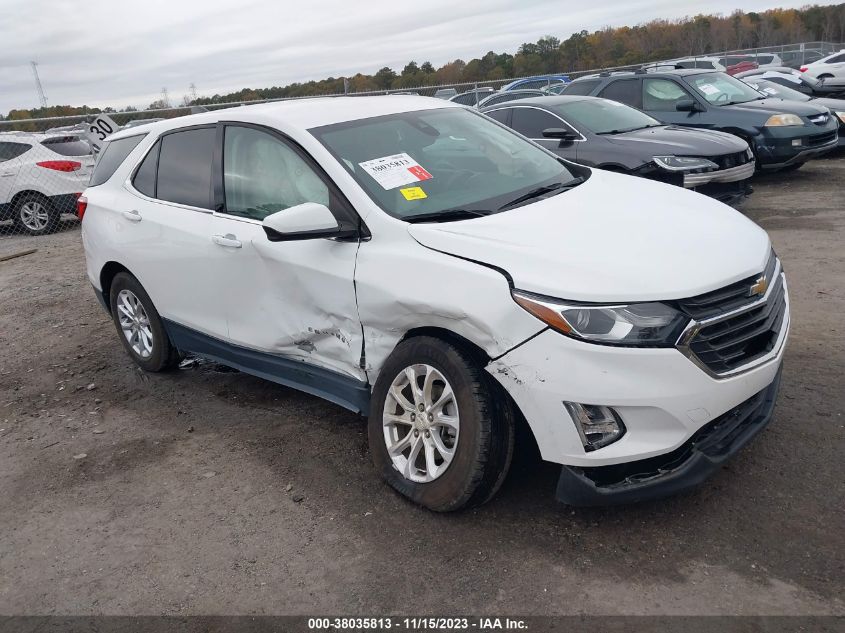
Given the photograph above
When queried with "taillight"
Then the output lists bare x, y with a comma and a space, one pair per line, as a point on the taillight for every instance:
803, 69
60, 165
81, 205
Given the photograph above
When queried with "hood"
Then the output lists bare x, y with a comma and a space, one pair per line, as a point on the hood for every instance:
837, 105
682, 141
778, 106
615, 238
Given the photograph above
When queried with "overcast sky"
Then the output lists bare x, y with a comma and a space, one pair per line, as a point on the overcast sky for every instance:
122, 53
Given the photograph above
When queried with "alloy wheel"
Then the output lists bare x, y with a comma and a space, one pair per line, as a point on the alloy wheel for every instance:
135, 323
421, 423
34, 215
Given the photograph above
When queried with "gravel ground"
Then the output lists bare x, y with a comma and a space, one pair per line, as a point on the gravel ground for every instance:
205, 491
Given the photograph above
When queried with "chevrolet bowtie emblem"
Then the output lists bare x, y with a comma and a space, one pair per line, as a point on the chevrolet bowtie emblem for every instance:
759, 287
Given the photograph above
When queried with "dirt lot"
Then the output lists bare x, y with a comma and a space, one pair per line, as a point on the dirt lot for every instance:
211, 492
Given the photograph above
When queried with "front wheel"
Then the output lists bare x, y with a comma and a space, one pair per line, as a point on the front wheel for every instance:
440, 431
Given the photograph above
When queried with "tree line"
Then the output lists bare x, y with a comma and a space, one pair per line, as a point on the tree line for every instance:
608, 47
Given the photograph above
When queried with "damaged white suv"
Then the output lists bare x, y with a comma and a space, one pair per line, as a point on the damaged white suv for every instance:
417, 262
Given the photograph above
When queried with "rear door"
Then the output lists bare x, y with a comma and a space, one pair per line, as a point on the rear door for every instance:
165, 230
294, 299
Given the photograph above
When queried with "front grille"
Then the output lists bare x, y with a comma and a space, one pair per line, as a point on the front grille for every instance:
727, 161
821, 139
725, 299
741, 339
734, 327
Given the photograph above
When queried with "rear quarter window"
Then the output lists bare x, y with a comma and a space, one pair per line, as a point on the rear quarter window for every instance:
8, 151
583, 87
67, 146
112, 157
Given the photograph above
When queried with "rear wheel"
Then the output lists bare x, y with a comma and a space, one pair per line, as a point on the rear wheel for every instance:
139, 325
35, 215
440, 431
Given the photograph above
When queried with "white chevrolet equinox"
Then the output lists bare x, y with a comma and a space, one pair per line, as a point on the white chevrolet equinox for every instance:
415, 261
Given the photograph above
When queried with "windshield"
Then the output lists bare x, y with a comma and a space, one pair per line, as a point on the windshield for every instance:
721, 89
776, 90
439, 161
602, 116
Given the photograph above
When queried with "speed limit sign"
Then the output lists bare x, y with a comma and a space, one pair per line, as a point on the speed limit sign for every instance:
97, 130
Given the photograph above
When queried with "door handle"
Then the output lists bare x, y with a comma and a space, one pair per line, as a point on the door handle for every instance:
228, 240
132, 216
7, 174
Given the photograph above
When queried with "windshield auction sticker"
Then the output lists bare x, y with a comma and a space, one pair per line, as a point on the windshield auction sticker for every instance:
394, 171
413, 193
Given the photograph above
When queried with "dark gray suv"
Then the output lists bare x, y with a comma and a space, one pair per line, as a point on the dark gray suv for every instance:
782, 134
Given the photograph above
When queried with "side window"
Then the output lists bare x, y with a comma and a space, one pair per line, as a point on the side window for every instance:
184, 167
662, 94
112, 156
838, 59
531, 122
263, 175
8, 151
625, 91
145, 178
500, 115
583, 87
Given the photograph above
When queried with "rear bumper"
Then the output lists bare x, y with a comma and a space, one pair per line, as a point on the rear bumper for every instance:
65, 202
682, 469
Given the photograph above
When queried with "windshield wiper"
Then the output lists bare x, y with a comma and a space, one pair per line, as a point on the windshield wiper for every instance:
447, 215
629, 129
558, 187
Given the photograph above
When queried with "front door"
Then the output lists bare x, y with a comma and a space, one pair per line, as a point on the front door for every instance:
294, 299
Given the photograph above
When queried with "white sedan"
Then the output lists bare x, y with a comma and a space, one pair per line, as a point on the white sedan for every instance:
417, 262
827, 67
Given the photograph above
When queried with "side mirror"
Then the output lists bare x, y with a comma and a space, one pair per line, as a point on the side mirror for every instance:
307, 221
687, 105
561, 133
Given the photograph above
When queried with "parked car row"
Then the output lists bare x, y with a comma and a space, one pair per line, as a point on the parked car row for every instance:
781, 134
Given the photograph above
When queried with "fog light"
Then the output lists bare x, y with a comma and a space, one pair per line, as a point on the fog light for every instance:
797, 142
597, 425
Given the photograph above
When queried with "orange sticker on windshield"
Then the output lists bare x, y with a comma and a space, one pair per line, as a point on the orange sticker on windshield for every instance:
413, 193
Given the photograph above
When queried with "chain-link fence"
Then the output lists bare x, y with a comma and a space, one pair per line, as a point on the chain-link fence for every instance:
46, 163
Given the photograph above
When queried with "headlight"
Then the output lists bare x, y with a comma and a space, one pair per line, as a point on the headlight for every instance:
781, 120
841, 115
636, 324
684, 163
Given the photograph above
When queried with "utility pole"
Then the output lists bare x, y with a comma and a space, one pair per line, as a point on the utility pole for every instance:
41, 96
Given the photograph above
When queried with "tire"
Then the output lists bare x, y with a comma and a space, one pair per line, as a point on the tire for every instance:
150, 348
34, 214
482, 450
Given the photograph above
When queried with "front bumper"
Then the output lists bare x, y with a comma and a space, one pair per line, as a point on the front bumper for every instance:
774, 157
674, 472
734, 174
